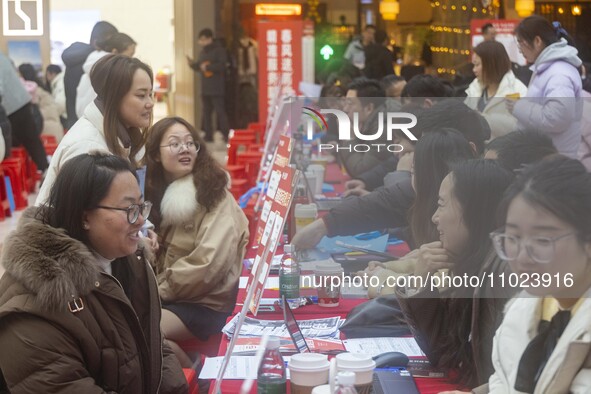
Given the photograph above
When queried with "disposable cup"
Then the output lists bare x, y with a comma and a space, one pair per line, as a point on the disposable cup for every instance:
307, 370
319, 171
328, 277
362, 365
324, 389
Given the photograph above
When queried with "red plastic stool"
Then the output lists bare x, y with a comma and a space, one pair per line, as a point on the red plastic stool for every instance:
256, 148
4, 204
236, 172
14, 168
239, 187
237, 142
252, 163
207, 348
242, 133
48, 139
50, 148
31, 176
191, 377
259, 129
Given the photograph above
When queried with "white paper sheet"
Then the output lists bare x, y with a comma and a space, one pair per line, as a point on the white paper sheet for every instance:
375, 346
239, 368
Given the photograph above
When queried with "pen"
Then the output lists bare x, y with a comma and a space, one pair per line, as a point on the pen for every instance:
368, 251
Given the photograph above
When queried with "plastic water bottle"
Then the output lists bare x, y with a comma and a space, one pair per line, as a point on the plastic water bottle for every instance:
271, 377
289, 277
345, 383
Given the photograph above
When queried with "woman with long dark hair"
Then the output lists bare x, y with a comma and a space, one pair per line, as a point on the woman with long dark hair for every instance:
203, 231
455, 325
115, 121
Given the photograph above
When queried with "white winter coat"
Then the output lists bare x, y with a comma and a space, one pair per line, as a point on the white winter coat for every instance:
86, 135
569, 367
499, 119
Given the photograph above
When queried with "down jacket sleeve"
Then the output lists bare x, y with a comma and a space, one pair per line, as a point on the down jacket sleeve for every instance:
385, 207
554, 113
37, 357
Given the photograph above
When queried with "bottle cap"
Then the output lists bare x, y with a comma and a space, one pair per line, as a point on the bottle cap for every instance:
346, 378
273, 343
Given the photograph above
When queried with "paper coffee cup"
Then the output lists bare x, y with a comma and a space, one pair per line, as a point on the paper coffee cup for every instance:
324, 389
306, 371
328, 281
362, 365
319, 171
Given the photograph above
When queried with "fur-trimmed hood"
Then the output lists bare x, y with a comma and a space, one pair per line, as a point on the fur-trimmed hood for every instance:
179, 203
47, 262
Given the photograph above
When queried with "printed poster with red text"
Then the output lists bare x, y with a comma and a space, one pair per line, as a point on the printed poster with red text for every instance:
275, 209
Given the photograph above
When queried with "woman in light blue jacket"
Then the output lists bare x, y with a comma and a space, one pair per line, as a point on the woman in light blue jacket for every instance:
554, 105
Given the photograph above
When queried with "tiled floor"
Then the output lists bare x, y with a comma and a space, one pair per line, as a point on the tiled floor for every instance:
218, 149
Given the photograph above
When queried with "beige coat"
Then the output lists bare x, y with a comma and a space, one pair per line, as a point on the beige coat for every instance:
569, 368
201, 252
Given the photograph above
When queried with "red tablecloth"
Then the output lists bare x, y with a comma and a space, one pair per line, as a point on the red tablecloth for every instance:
425, 385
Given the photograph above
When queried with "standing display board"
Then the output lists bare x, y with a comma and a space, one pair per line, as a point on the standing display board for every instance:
276, 204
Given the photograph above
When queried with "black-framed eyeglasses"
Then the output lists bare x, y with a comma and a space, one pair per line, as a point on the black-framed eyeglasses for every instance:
175, 147
540, 249
133, 211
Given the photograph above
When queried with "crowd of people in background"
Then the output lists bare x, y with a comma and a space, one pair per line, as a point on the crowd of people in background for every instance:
96, 297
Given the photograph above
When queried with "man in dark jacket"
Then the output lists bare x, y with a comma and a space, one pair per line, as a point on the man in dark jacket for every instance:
211, 64
74, 57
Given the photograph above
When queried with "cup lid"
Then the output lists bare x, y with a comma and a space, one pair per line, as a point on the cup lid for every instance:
327, 266
308, 361
355, 361
324, 389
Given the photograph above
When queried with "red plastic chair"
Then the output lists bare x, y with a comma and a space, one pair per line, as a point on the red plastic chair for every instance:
31, 176
236, 172
191, 377
207, 348
239, 187
4, 204
259, 129
252, 163
48, 139
237, 142
15, 169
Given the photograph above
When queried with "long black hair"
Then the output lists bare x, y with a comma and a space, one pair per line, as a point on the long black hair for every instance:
478, 186
434, 153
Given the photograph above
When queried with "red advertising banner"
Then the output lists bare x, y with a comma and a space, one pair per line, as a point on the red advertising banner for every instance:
275, 208
505, 29
280, 62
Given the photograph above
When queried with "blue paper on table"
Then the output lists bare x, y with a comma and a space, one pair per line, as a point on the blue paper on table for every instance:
330, 244
327, 188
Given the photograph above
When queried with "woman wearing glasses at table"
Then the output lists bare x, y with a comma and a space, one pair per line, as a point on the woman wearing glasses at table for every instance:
203, 234
544, 342
79, 308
